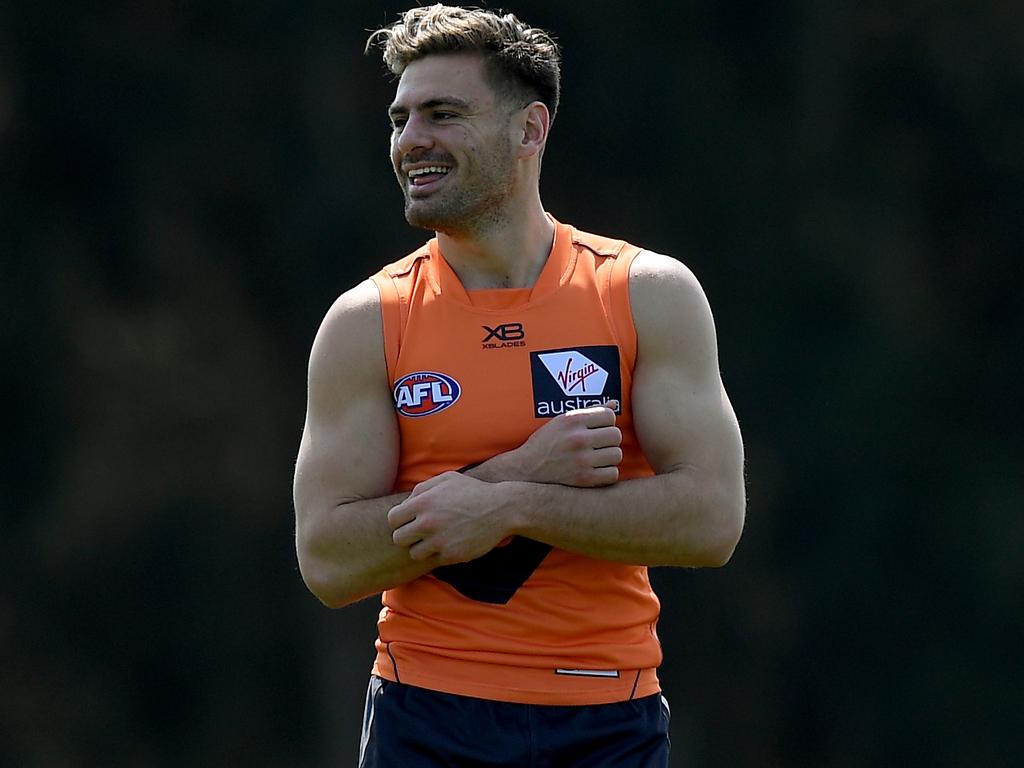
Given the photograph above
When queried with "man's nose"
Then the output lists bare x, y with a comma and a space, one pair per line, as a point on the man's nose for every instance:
415, 135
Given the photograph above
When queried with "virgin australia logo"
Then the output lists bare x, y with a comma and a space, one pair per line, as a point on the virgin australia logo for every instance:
580, 377
575, 373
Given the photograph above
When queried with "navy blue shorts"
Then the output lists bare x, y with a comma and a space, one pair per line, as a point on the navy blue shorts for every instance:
409, 727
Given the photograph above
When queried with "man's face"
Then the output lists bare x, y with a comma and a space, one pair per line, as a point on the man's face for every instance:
451, 145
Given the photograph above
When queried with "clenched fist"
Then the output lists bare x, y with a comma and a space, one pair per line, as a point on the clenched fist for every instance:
577, 448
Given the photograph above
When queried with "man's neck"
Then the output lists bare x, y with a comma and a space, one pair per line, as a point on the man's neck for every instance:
510, 253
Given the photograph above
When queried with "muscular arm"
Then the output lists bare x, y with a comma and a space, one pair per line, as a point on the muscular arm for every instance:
690, 513
348, 459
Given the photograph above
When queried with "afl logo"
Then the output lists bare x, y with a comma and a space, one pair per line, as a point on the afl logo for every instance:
425, 392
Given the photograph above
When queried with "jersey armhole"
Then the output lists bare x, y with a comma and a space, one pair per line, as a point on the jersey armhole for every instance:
616, 291
392, 320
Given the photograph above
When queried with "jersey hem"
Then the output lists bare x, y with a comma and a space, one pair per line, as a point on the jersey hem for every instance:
574, 691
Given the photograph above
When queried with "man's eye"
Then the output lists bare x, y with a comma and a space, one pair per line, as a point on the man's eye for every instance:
443, 115
397, 123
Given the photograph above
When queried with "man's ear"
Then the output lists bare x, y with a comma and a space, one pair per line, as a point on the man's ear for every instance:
535, 123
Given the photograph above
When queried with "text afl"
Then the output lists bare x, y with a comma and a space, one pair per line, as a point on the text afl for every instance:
425, 392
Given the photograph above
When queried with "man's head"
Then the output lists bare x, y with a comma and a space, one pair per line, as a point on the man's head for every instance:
522, 63
475, 99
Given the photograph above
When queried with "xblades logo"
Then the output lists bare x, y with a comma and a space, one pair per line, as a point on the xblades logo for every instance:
504, 336
568, 379
504, 332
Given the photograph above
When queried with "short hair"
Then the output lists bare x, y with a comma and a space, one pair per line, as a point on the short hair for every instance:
523, 62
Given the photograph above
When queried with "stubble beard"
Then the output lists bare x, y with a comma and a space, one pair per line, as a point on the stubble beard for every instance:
474, 207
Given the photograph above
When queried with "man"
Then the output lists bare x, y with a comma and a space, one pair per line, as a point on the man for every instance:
504, 429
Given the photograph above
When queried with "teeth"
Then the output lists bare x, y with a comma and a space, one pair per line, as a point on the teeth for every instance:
429, 169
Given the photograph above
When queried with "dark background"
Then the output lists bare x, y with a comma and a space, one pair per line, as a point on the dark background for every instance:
186, 186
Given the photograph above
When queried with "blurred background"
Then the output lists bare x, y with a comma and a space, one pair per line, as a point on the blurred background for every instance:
185, 187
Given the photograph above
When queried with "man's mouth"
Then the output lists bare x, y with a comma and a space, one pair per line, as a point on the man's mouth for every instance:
422, 177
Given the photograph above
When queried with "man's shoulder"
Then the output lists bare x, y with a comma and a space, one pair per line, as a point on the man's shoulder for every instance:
670, 308
645, 264
654, 267
650, 274
347, 344
353, 310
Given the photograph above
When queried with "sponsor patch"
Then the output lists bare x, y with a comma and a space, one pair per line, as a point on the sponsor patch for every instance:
425, 392
578, 377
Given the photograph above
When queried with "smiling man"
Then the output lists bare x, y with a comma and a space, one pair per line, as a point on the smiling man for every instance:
504, 429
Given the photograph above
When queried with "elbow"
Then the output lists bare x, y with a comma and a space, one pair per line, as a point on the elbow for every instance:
727, 532
321, 587
720, 552
712, 545
326, 581
323, 572
327, 593
332, 592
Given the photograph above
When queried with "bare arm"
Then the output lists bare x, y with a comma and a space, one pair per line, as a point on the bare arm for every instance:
690, 513
348, 459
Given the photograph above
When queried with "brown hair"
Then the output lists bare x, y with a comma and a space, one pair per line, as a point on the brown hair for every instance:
523, 62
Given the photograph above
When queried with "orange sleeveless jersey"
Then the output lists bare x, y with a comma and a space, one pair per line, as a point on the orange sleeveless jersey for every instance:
474, 374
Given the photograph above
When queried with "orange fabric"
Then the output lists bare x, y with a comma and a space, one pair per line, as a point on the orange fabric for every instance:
475, 373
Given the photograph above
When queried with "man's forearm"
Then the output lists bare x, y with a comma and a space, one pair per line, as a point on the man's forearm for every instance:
676, 518
348, 553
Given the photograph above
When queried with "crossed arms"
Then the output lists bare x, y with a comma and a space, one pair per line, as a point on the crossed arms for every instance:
355, 538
